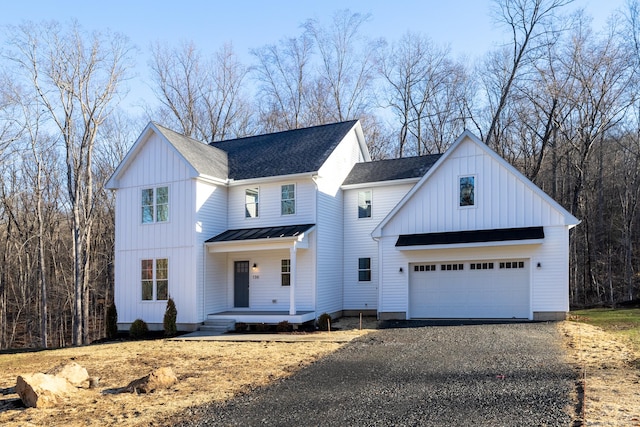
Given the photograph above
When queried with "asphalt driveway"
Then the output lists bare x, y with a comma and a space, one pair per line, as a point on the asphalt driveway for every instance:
472, 375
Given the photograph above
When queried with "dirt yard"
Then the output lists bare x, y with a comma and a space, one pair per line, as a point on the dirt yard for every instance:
215, 371
610, 371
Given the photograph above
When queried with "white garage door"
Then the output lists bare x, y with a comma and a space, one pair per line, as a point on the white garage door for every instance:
495, 289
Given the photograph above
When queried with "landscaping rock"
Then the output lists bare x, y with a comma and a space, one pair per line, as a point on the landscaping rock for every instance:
42, 390
72, 372
159, 379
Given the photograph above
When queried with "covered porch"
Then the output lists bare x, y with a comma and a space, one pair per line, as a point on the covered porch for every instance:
270, 275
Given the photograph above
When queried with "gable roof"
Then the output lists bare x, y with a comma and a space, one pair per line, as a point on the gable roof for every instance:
390, 169
570, 220
205, 159
283, 153
202, 159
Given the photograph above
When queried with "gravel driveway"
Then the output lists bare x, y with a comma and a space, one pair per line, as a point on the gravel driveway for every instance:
473, 375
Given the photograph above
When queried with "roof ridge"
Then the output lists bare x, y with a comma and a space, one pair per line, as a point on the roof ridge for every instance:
282, 132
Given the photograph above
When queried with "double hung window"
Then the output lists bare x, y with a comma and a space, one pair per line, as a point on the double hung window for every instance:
155, 205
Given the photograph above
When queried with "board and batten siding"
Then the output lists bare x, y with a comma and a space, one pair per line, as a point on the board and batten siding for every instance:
503, 200
330, 227
156, 165
358, 242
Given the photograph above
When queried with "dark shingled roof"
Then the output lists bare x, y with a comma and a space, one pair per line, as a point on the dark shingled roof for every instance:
206, 159
283, 153
391, 169
260, 233
471, 236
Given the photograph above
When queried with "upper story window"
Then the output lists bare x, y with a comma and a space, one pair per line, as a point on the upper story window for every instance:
155, 281
467, 191
364, 204
251, 201
155, 205
288, 201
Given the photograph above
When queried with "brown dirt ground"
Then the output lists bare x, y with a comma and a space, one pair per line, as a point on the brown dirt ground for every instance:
610, 372
211, 371
207, 371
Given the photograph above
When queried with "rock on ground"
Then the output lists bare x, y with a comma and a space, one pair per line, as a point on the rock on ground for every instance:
72, 372
161, 378
42, 390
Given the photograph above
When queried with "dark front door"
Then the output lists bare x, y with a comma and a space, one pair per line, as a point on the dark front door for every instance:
241, 284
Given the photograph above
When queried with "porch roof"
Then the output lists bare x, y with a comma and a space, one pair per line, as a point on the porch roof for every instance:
471, 236
261, 238
282, 231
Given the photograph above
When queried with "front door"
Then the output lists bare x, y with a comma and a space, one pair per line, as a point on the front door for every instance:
241, 284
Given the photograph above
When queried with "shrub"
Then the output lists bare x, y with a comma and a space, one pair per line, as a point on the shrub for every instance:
111, 322
324, 322
138, 329
241, 327
169, 322
284, 326
261, 327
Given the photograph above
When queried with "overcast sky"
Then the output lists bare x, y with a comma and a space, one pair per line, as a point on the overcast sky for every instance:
465, 25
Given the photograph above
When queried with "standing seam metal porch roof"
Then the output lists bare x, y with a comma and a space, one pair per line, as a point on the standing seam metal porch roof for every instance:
282, 231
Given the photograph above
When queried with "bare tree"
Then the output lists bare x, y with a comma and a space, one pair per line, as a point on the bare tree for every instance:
284, 83
527, 21
76, 77
201, 98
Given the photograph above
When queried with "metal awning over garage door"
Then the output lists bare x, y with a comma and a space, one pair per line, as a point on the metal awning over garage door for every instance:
487, 289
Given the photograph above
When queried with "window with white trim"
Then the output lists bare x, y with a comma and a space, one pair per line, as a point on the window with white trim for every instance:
155, 205
288, 200
285, 272
155, 279
251, 201
467, 191
364, 269
364, 204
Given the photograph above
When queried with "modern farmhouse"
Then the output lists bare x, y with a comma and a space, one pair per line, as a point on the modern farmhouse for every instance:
290, 225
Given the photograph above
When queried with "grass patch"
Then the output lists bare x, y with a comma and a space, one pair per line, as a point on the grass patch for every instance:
623, 322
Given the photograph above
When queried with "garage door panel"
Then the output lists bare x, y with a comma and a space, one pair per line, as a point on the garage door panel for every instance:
482, 289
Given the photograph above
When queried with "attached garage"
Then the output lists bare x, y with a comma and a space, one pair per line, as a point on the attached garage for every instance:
464, 289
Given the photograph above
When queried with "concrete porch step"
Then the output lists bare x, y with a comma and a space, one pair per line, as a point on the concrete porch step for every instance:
218, 325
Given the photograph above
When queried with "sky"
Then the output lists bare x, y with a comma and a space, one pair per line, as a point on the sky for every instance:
466, 26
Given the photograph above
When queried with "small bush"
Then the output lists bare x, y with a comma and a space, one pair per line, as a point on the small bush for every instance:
138, 329
324, 322
169, 322
241, 327
111, 322
261, 327
284, 326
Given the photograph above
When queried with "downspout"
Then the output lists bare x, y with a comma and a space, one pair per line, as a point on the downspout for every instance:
380, 275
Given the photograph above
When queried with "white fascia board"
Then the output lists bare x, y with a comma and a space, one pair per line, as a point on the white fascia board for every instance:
213, 180
361, 141
471, 245
381, 183
259, 180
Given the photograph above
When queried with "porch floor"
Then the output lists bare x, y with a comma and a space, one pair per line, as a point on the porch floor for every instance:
263, 316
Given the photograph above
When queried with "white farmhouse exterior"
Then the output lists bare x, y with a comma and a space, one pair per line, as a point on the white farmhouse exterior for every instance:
290, 225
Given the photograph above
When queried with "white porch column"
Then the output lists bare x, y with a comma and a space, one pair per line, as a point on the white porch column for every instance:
292, 280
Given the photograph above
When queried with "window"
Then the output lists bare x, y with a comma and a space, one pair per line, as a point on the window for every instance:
285, 269
482, 266
251, 203
288, 203
427, 267
512, 264
451, 267
364, 204
155, 282
364, 269
155, 205
467, 191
